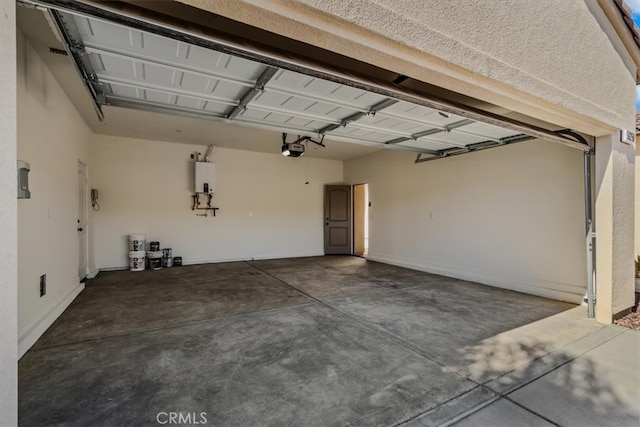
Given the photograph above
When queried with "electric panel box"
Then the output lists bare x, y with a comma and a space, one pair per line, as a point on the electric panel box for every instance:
205, 174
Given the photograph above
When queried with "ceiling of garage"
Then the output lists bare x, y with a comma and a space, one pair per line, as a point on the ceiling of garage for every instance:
208, 96
153, 126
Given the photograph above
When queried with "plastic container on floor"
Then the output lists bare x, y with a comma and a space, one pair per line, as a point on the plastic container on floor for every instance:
136, 260
136, 242
155, 259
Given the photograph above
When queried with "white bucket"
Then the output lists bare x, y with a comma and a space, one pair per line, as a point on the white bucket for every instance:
155, 259
136, 242
136, 260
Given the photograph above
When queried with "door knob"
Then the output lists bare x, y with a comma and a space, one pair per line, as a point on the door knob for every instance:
79, 229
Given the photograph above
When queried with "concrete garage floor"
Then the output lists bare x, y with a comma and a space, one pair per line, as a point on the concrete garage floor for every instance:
324, 341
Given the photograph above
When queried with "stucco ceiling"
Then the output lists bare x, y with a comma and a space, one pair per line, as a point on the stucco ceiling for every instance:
126, 122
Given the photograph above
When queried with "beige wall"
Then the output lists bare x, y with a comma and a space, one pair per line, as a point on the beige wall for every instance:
614, 190
52, 138
510, 217
534, 57
266, 210
8, 219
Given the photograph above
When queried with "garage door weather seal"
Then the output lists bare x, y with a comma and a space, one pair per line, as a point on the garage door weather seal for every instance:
131, 61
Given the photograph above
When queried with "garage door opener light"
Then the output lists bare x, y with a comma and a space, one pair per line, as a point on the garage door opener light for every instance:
297, 148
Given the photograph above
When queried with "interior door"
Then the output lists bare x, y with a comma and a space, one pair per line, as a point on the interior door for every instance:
337, 219
82, 220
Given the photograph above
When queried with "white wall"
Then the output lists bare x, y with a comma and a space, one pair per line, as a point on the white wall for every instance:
8, 219
266, 210
52, 138
510, 217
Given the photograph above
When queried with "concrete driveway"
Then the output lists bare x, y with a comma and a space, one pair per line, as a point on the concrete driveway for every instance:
324, 341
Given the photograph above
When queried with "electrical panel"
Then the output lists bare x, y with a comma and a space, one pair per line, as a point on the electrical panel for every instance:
204, 177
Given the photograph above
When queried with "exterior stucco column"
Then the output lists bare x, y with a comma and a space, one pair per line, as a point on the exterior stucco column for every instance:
8, 219
614, 221
637, 208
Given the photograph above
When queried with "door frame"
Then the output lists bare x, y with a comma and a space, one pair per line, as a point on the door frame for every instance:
353, 218
84, 169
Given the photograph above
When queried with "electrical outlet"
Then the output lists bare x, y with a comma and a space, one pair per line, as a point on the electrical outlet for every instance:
43, 285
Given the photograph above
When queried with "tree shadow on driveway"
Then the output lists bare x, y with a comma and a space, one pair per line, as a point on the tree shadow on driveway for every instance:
591, 381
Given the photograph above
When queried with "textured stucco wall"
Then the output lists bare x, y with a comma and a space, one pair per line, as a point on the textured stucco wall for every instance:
637, 210
510, 217
548, 59
615, 189
8, 219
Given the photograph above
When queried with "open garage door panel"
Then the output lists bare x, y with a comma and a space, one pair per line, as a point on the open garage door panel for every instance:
130, 67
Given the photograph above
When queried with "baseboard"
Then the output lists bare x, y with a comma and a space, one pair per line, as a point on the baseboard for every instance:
212, 261
538, 288
252, 258
237, 259
93, 273
29, 338
287, 255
